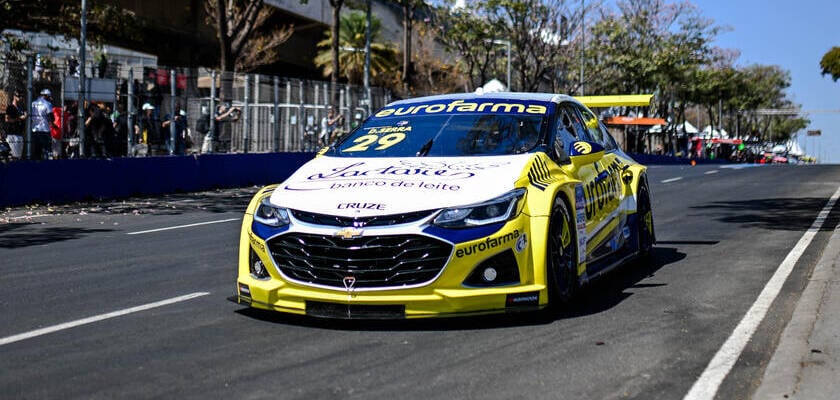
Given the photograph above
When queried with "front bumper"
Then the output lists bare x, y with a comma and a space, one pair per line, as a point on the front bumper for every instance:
446, 294
396, 304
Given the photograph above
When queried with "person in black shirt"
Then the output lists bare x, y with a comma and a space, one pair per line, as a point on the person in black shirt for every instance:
15, 121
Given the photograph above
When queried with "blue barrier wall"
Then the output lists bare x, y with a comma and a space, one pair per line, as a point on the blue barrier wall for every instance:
63, 181
651, 159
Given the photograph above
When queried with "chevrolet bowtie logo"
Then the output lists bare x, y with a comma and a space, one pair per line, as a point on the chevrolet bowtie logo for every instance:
349, 233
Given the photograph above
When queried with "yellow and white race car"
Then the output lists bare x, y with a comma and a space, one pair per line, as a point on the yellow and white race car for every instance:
448, 205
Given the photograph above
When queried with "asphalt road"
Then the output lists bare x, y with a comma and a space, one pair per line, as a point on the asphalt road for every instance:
128, 300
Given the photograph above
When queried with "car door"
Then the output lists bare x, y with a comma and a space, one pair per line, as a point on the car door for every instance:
602, 192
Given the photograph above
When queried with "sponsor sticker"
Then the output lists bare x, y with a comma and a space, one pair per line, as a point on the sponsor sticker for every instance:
523, 299
521, 243
494, 106
488, 244
255, 242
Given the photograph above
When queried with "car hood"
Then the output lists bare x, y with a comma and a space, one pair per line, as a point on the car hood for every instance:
363, 187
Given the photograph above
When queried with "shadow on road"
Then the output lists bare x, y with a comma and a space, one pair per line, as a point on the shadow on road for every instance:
27, 234
602, 294
214, 201
790, 214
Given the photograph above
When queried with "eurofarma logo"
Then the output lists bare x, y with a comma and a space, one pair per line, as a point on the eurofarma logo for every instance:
495, 106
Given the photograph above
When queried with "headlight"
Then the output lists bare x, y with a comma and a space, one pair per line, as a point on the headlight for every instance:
270, 215
496, 210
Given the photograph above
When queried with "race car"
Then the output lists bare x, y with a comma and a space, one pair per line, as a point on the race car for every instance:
448, 205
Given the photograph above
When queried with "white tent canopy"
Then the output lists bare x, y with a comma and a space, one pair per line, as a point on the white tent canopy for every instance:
710, 133
685, 127
492, 86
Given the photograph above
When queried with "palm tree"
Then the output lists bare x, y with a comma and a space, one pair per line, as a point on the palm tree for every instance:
351, 55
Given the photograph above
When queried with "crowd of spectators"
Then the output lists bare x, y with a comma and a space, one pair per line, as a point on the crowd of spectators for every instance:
55, 130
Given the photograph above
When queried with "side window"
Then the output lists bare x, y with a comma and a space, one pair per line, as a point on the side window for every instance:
592, 127
609, 141
567, 128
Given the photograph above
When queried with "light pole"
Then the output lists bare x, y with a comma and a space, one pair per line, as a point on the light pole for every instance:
367, 59
507, 44
582, 41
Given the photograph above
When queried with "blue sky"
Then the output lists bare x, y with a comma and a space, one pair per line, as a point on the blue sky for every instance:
793, 35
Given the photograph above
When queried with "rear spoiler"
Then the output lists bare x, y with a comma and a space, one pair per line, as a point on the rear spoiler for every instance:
616, 100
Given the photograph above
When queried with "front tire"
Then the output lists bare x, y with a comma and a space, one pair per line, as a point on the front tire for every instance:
561, 254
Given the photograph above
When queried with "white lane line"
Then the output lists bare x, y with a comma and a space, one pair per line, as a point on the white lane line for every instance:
672, 180
182, 226
709, 382
714, 171
96, 318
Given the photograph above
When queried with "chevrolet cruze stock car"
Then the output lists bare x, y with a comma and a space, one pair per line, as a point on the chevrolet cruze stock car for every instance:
448, 205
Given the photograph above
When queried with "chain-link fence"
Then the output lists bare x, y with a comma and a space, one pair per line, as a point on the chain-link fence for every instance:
141, 110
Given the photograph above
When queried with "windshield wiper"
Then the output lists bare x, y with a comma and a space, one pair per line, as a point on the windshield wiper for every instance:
425, 149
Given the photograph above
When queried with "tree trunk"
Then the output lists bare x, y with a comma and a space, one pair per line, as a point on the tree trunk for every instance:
408, 23
336, 23
226, 60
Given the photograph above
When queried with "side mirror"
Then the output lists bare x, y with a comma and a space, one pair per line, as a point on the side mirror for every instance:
583, 153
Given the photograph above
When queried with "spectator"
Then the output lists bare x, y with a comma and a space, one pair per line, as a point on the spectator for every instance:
147, 128
179, 119
202, 126
224, 113
42, 122
120, 124
15, 121
328, 125
71, 137
56, 133
99, 126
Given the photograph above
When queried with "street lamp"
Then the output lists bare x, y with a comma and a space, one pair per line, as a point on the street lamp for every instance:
582, 42
506, 43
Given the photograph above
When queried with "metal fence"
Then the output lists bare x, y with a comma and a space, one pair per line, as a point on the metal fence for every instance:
269, 113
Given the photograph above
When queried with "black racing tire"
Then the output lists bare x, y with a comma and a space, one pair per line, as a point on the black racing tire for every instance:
561, 255
645, 222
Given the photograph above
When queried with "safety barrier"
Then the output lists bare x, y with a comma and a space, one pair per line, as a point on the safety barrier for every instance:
65, 181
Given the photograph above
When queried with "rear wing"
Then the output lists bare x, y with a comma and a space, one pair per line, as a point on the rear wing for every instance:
616, 100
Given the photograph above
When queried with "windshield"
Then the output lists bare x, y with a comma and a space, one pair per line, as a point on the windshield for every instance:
449, 128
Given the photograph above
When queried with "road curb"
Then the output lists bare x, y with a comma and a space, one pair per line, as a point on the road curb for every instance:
790, 363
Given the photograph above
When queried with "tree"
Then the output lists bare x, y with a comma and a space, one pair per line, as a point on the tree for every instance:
244, 41
105, 20
478, 33
351, 57
469, 38
409, 9
830, 63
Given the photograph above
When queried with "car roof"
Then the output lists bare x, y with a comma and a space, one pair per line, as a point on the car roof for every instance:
546, 97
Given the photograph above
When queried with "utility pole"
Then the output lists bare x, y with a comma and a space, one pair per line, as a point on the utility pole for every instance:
82, 79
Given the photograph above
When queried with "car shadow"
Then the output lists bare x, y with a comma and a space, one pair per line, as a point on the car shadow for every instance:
790, 214
600, 295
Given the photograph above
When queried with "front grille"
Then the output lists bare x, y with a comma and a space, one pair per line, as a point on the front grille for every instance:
373, 261
382, 220
353, 311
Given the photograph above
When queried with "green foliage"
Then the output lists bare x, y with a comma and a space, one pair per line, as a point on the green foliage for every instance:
351, 55
105, 20
478, 34
830, 63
